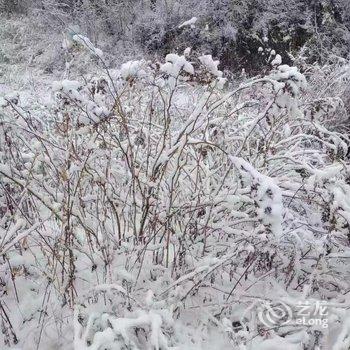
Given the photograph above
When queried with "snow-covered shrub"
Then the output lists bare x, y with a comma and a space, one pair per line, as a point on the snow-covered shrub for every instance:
153, 207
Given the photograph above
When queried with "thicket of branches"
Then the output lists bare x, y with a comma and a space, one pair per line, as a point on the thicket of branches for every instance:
157, 206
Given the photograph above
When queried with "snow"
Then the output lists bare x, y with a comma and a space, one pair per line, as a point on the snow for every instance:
72, 90
174, 66
86, 43
191, 22
291, 76
12, 97
221, 82
132, 69
287, 130
268, 197
67, 86
106, 287
277, 60
210, 65
187, 51
276, 343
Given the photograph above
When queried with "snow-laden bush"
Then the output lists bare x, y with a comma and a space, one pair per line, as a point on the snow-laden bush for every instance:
159, 207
